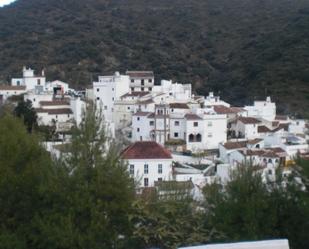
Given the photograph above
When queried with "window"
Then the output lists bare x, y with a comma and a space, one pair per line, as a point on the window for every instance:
195, 124
98, 98
138, 118
176, 123
137, 129
172, 110
18, 83
209, 134
68, 115
160, 179
113, 89
140, 138
175, 134
39, 81
131, 169
151, 123
146, 182
56, 116
128, 108
198, 137
98, 89
150, 89
209, 124
113, 98
170, 94
191, 138
145, 168
33, 100
142, 89
132, 89
160, 168
270, 172
143, 82
150, 80
132, 81
105, 107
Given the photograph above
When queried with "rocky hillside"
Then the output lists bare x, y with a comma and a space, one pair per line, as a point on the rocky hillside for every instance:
243, 49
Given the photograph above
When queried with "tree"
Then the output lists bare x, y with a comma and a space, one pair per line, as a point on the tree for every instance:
26, 175
100, 189
168, 224
248, 209
25, 111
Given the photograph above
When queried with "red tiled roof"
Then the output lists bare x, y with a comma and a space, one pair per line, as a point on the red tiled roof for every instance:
179, 106
140, 74
54, 111
263, 129
54, 102
237, 109
146, 150
192, 116
282, 126
235, 145
134, 94
254, 141
249, 120
12, 88
221, 109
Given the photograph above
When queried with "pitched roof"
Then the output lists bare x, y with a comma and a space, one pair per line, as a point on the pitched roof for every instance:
179, 106
263, 129
192, 116
249, 120
221, 109
54, 102
235, 145
58, 111
134, 94
146, 150
12, 88
140, 74
254, 141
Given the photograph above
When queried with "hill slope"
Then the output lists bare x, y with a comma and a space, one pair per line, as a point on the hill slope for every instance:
244, 49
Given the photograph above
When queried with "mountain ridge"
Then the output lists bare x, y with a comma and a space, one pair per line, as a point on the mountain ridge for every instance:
241, 49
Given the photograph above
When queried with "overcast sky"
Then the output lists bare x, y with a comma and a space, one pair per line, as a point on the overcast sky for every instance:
4, 2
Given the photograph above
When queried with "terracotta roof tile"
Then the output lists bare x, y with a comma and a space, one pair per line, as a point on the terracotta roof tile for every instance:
281, 117
146, 150
263, 129
54, 102
192, 116
179, 106
134, 94
12, 88
54, 111
235, 145
249, 120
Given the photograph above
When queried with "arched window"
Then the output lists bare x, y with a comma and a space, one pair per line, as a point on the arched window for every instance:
198, 137
257, 146
270, 161
191, 138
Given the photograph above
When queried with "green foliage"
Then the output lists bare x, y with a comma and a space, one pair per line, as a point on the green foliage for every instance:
168, 224
242, 49
248, 209
25, 111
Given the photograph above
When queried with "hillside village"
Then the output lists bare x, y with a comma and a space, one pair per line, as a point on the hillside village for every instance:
170, 135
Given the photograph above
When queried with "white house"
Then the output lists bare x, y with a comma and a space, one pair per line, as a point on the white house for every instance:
141, 80
8, 91
262, 109
109, 89
174, 91
30, 80
148, 162
245, 127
